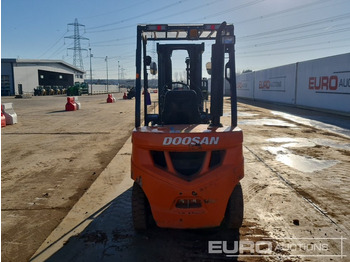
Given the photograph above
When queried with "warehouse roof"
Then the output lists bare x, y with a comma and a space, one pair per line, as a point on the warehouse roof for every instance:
40, 61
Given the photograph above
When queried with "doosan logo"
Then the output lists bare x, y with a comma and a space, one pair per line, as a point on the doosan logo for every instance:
190, 141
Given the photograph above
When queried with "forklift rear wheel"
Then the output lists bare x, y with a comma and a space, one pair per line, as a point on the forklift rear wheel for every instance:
140, 208
234, 210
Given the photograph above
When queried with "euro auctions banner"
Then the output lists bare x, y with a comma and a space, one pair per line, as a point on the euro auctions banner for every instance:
276, 84
245, 85
325, 83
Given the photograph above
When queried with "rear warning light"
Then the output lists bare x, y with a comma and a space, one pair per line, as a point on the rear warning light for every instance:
157, 28
188, 203
213, 27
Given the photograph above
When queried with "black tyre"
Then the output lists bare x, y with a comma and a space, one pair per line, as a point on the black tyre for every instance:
140, 208
234, 210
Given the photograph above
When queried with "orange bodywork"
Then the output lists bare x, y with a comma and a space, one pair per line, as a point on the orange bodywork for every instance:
198, 200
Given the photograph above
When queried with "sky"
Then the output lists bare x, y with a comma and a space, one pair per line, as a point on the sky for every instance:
269, 33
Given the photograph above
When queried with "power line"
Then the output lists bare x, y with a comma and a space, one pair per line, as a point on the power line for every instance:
318, 29
291, 52
59, 50
116, 10
126, 44
294, 27
233, 9
177, 13
288, 10
290, 47
113, 40
298, 38
140, 15
53, 45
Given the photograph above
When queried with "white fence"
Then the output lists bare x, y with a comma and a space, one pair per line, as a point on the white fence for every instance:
245, 85
325, 83
276, 84
322, 83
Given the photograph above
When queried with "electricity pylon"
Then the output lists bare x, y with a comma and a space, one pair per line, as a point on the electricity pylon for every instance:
77, 57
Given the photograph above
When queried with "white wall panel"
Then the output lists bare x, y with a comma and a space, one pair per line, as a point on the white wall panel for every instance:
325, 83
26, 76
322, 83
245, 85
276, 84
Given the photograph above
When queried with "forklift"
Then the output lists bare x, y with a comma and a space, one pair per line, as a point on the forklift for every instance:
185, 164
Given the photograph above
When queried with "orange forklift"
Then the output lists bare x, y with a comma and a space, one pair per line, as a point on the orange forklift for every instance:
185, 164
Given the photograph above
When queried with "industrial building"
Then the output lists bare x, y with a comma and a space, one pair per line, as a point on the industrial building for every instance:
21, 76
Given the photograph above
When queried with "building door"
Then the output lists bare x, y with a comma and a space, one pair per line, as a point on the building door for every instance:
20, 89
49, 78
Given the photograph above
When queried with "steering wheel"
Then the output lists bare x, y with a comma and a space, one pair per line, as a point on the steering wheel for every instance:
179, 86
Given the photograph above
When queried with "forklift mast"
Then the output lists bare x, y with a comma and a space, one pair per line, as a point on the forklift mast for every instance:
223, 34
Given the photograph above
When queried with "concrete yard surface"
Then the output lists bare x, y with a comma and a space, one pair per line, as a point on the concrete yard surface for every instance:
50, 159
66, 187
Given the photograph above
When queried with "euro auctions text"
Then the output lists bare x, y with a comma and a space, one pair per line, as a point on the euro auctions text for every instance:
286, 247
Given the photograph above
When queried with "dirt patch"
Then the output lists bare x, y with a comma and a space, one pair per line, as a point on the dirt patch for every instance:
94, 237
49, 160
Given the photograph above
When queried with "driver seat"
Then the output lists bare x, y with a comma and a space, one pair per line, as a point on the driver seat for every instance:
180, 107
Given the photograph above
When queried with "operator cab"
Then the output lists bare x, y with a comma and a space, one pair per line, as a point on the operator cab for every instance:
180, 107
